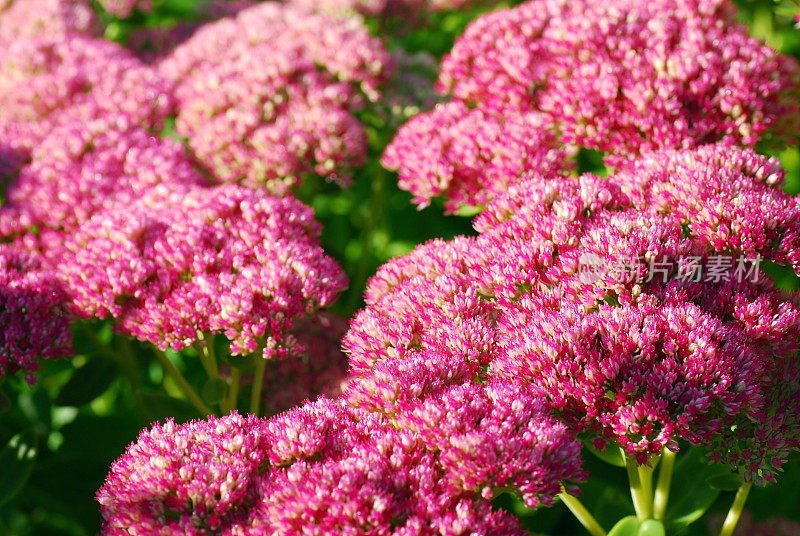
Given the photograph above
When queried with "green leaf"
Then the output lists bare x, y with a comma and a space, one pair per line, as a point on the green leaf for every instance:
214, 391
726, 482
16, 460
87, 383
693, 494
651, 527
627, 526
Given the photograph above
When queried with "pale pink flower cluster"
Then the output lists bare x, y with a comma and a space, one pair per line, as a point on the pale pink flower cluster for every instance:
640, 360
407, 9
28, 19
618, 77
125, 8
49, 81
269, 95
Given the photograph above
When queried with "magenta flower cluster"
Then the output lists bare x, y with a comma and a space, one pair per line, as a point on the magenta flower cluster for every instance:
330, 468
217, 260
34, 315
618, 77
269, 95
642, 361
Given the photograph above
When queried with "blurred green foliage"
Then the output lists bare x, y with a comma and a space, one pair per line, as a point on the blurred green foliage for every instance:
59, 436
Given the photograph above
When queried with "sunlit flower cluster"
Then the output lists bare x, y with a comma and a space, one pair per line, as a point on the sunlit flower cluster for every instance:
617, 77
224, 260
639, 357
269, 95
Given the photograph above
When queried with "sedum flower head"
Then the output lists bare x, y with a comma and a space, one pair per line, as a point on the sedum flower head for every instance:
268, 95
34, 321
631, 300
83, 168
618, 77
54, 80
408, 10
31, 19
125, 8
196, 478
330, 468
224, 260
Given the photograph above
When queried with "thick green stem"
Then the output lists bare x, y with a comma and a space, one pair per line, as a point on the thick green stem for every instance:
736, 510
664, 484
230, 403
258, 383
641, 481
581, 513
172, 370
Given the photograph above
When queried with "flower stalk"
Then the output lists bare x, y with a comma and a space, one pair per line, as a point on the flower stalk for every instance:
191, 395
732, 519
641, 482
581, 513
664, 483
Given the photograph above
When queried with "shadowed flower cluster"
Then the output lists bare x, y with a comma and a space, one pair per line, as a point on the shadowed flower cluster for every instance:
618, 77
330, 468
269, 95
34, 320
647, 351
216, 260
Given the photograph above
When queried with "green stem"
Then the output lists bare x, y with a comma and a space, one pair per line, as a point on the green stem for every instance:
127, 362
641, 481
361, 272
190, 393
581, 513
736, 510
205, 349
664, 484
258, 384
230, 403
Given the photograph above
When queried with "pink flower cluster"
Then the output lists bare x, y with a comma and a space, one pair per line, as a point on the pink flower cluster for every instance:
640, 360
28, 19
385, 8
124, 8
319, 367
34, 320
269, 95
83, 168
153, 43
54, 80
618, 77
190, 260
330, 468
